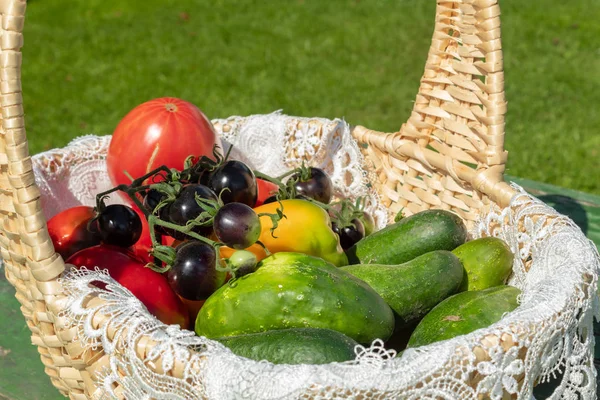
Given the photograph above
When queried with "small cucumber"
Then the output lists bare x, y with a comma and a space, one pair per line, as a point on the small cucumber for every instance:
464, 313
415, 287
294, 290
409, 238
488, 262
293, 346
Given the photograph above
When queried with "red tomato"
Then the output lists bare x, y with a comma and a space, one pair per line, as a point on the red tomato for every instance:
163, 131
265, 190
69, 233
150, 287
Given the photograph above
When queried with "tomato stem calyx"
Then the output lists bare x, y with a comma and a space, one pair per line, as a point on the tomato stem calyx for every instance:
344, 211
166, 254
275, 218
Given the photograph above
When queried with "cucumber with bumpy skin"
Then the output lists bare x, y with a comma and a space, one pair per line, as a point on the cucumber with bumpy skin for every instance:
409, 238
293, 346
294, 290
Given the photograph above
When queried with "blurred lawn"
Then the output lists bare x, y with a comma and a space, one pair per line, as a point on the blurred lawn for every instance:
88, 63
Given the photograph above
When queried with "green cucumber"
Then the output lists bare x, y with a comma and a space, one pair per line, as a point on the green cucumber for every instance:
488, 262
415, 287
464, 313
293, 346
409, 238
293, 290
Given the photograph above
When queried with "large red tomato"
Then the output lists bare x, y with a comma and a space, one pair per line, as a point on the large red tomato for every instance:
150, 287
163, 131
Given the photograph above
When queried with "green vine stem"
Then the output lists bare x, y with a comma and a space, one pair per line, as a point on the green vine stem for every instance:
268, 178
287, 189
132, 189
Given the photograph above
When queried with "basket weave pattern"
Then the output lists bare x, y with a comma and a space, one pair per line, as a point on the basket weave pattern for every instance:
449, 154
457, 121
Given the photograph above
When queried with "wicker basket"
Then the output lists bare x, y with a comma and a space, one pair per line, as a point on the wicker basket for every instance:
449, 155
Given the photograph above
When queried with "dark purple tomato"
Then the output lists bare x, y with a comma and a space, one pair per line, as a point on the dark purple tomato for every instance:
235, 182
119, 225
186, 208
152, 198
164, 215
237, 225
350, 234
318, 186
194, 275
201, 176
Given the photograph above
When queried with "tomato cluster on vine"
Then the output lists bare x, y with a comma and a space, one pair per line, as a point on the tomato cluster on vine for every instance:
209, 204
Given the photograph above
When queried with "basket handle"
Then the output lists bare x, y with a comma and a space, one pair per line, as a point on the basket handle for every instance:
24, 221
30, 262
457, 122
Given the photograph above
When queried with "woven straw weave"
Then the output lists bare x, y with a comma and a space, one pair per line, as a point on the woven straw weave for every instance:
449, 155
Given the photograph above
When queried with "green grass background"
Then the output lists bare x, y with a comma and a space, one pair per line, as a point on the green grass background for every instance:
87, 62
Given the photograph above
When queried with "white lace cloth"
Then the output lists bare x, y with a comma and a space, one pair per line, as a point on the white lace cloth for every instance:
548, 336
